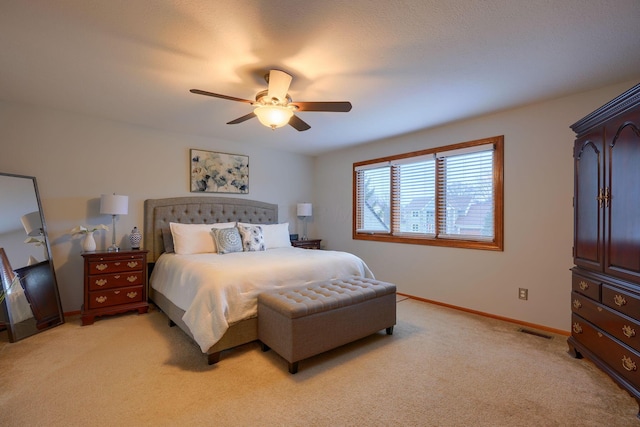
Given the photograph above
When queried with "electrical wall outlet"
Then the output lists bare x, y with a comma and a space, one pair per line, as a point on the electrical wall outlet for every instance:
523, 293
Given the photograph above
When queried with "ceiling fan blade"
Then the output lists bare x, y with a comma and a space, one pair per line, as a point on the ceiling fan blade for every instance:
217, 95
339, 107
279, 83
298, 124
242, 119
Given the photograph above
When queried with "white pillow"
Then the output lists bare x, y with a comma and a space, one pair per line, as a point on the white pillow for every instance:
195, 238
276, 235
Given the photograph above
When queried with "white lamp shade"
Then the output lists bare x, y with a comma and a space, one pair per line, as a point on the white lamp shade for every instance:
273, 116
305, 209
114, 204
32, 223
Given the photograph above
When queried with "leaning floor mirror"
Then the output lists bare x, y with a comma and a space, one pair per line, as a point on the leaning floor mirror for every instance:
29, 292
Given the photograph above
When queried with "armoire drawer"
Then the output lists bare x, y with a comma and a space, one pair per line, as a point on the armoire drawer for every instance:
621, 327
618, 356
588, 287
622, 301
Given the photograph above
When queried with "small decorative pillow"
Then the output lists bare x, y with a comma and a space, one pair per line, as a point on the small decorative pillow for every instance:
227, 240
252, 239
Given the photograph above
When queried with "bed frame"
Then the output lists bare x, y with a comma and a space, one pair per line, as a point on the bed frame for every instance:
158, 213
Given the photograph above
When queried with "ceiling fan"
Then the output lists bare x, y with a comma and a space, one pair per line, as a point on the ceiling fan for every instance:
275, 108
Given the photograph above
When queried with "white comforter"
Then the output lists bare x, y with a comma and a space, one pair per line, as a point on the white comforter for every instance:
218, 290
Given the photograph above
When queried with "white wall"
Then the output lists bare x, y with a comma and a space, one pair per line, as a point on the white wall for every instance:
76, 158
538, 215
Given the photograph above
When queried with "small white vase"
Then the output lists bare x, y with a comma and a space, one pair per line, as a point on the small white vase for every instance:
89, 243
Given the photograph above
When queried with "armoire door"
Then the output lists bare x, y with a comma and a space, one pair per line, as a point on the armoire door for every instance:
622, 205
589, 201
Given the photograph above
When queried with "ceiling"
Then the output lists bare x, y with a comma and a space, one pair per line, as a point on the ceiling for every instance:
405, 65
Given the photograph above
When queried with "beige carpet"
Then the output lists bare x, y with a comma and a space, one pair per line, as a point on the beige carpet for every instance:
441, 367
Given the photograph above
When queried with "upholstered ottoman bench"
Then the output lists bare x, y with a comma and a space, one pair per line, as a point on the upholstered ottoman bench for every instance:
301, 322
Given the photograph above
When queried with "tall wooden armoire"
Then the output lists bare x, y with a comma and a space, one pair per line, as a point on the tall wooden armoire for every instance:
605, 298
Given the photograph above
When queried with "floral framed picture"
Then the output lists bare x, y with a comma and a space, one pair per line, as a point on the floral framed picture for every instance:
213, 172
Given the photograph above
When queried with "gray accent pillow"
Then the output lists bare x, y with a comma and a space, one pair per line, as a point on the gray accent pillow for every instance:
252, 238
167, 240
227, 240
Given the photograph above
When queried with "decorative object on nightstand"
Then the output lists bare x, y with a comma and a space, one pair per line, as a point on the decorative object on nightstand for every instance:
114, 282
304, 211
113, 205
306, 244
135, 238
89, 243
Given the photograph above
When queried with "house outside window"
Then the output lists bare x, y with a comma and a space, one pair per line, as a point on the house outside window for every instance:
445, 196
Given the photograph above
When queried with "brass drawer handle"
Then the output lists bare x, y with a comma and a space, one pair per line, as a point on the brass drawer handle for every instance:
101, 267
628, 331
101, 282
628, 364
101, 299
116, 263
132, 278
619, 300
577, 304
132, 264
132, 294
584, 285
577, 328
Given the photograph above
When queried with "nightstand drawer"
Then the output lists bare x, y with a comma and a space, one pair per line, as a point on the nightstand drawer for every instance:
117, 265
107, 281
118, 296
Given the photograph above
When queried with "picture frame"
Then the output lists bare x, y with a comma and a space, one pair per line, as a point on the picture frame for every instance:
214, 172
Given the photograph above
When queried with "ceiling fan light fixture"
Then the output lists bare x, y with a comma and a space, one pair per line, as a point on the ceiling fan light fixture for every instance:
273, 116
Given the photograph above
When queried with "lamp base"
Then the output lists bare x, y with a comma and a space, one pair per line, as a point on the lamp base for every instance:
113, 247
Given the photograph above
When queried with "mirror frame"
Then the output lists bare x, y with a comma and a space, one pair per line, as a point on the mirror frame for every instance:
41, 277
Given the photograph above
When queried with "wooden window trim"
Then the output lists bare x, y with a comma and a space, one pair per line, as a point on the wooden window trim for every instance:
497, 244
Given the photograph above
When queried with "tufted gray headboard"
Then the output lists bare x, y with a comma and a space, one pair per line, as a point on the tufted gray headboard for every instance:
158, 213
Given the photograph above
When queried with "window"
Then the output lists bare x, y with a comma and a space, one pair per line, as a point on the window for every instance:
446, 196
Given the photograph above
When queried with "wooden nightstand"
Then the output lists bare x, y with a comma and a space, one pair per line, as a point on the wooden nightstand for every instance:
307, 244
114, 282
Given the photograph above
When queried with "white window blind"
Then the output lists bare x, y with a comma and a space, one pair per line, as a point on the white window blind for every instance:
446, 196
373, 210
465, 190
414, 201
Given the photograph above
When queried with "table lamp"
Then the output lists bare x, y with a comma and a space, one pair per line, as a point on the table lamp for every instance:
113, 205
304, 211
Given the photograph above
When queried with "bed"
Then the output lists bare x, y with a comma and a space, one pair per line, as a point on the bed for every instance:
221, 314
